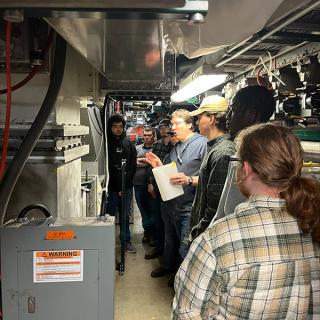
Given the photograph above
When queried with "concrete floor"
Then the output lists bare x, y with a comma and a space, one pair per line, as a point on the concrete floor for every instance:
137, 295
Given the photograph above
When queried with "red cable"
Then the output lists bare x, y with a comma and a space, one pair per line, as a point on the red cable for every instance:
24, 81
34, 70
274, 69
8, 102
258, 77
261, 84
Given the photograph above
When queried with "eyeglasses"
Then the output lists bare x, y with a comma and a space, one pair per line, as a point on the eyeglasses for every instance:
175, 123
148, 135
234, 158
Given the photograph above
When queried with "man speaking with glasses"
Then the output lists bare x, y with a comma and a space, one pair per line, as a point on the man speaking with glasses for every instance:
187, 154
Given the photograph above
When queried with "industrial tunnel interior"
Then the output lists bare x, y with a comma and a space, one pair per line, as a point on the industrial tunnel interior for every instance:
66, 68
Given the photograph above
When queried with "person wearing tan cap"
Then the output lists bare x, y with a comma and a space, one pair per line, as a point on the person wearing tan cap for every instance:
214, 167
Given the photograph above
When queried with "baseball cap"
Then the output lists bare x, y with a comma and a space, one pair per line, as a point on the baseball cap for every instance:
164, 122
211, 104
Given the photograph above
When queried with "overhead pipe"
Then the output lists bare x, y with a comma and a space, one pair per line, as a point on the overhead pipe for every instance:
269, 34
238, 45
275, 56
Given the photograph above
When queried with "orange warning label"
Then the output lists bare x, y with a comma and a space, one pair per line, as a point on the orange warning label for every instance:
60, 235
57, 266
58, 254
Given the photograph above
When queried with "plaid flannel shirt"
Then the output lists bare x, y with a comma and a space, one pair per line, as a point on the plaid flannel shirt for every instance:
160, 149
212, 176
253, 264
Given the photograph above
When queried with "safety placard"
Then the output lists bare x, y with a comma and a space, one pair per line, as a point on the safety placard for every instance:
60, 235
57, 266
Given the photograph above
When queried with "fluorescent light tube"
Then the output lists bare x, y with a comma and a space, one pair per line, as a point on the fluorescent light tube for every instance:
197, 86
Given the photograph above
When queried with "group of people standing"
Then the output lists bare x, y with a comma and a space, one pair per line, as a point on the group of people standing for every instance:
138, 180
247, 228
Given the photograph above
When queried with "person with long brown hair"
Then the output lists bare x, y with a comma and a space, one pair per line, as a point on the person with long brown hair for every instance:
262, 261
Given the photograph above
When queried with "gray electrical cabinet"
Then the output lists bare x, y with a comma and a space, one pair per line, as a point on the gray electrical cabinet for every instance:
59, 269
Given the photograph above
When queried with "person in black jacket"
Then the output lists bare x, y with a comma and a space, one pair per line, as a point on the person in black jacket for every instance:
119, 148
250, 105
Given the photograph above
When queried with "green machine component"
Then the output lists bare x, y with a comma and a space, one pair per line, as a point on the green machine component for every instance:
307, 134
58, 269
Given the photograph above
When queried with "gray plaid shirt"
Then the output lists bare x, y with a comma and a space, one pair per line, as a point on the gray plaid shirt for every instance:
253, 264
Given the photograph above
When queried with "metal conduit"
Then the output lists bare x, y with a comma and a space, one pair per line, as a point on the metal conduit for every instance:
239, 44
270, 33
275, 56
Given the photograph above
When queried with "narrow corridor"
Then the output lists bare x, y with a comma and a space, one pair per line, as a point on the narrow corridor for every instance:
137, 295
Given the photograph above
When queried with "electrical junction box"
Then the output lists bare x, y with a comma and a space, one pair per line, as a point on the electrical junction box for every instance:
58, 269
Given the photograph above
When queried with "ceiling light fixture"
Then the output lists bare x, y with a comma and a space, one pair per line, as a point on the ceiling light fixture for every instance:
197, 86
202, 79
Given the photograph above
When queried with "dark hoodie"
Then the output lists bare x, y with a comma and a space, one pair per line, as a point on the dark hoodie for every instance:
120, 148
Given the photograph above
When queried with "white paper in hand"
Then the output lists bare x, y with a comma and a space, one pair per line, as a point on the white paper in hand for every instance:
162, 175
